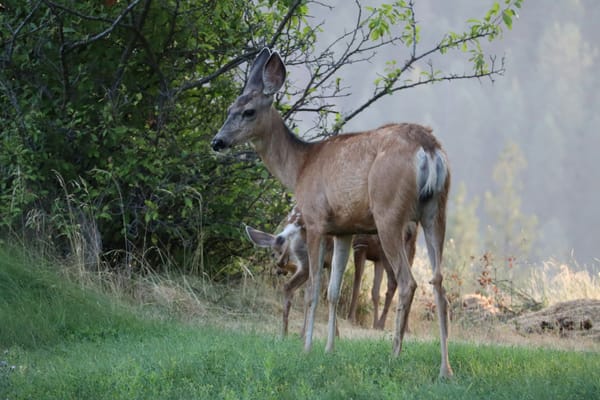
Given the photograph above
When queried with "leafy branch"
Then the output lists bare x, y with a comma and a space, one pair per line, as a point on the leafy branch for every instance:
403, 12
383, 29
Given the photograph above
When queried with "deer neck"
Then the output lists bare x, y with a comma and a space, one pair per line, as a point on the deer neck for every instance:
282, 152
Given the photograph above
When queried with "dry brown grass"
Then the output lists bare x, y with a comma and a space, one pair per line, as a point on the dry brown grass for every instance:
554, 282
492, 331
254, 304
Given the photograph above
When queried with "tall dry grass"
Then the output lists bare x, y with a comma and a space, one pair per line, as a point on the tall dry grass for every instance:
553, 282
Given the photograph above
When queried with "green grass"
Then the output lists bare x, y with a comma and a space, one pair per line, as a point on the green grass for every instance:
108, 351
40, 307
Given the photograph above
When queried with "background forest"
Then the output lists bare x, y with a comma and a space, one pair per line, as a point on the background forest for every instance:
107, 108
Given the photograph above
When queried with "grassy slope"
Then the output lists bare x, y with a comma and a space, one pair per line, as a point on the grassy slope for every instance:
39, 307
82, 345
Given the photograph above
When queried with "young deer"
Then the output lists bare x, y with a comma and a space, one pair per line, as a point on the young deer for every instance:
290, 254
378, 181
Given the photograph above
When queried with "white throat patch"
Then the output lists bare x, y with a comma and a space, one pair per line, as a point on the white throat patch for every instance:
290, 230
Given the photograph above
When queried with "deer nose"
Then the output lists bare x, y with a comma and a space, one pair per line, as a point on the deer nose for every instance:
218, 144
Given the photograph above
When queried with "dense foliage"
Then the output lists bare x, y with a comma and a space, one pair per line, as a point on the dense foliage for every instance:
109, 124
107, 108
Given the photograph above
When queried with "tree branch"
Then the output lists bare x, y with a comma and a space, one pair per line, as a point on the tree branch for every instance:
52, 4
283, 23
105, 32
15, 33
247, 56
220, 71
441, 47
130, 46
490, 74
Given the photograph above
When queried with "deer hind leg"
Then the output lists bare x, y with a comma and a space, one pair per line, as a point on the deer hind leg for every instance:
360, 256
434, 226
391, 237
410, 246
341, 251
316, 255
410, 241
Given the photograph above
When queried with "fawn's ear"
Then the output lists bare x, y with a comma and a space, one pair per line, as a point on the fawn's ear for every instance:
260, 238
273, 74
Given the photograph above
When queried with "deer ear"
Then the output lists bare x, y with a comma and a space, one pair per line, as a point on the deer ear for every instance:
255, 77
273, 74
259, 238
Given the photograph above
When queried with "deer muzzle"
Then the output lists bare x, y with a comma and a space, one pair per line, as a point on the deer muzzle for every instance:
218, 144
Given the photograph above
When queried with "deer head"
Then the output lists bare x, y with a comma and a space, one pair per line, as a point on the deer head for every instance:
288, 248
279, 246
249, 115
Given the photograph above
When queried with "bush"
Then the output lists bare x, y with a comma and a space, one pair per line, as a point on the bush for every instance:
106, 129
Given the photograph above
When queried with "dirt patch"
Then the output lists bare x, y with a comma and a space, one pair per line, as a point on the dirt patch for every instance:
568, 319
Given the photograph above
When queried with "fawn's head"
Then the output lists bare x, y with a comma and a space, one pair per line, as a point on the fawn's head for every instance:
285, 245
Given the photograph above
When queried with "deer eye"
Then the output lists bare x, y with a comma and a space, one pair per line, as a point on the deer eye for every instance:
249, 113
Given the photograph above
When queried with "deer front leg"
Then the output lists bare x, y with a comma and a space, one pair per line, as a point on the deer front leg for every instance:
360, 256
341, 251
307, 295
287, 304
289, 289
316, 253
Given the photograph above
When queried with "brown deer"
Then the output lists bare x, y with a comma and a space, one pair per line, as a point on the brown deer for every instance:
290, 254
377, 181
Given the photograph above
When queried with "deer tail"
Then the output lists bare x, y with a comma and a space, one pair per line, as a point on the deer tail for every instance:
432, 172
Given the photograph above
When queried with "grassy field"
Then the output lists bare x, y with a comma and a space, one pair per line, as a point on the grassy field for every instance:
61, 341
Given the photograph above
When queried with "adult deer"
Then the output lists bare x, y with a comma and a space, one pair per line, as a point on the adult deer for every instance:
290, 253
378, 181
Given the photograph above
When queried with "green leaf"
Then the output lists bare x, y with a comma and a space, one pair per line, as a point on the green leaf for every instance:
492, 12
507, 18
